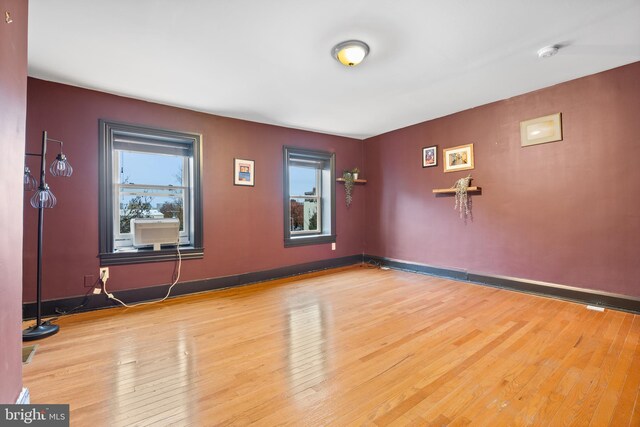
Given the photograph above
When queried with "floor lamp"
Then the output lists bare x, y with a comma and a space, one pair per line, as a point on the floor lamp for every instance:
43, 198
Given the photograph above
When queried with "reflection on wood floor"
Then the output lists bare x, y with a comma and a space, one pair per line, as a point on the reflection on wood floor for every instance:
352, 346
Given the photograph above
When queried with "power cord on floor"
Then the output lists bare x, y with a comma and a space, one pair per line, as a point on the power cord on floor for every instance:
373, 264
85, 300
112, 297
61, 312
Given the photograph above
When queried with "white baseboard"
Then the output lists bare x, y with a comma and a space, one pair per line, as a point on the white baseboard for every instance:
24, 398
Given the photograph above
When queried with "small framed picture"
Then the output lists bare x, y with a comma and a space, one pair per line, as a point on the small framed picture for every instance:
244, 172
458, 158
541, 130
430, 156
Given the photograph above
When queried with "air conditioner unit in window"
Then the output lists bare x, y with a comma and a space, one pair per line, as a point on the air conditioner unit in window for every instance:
155, 232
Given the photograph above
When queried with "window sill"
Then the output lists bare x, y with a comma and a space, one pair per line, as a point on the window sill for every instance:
148, 255
309, 240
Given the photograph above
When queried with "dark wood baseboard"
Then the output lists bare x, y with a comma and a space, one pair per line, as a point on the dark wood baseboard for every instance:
569, 293
96, 302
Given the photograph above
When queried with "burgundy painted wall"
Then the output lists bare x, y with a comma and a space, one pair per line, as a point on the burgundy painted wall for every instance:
13, 98
566, 212
243, 226
557, 212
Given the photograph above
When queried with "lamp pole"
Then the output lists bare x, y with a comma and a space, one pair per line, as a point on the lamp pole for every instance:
40, 329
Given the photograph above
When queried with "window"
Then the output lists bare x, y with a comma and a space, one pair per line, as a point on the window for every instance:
147, 173
309, 197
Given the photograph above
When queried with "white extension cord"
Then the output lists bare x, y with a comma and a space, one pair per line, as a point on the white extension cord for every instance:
112, 297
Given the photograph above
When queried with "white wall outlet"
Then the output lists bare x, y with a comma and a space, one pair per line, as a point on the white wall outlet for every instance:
333, 246
104, 274
97, 291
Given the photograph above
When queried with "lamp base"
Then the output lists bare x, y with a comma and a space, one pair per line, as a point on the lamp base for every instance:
36, 332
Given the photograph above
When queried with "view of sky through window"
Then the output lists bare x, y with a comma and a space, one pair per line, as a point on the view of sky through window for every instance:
150, 168
301, 180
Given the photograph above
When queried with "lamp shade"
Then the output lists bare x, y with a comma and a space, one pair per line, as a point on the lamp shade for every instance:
30, 182
43, 198
60, 166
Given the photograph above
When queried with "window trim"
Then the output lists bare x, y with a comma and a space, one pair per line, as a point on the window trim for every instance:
291, 239
108, 130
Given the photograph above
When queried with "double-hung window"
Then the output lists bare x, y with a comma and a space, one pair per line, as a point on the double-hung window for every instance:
147, 173
151, 180
309, 199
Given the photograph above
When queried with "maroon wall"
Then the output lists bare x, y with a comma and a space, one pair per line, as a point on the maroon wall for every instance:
13, 98
566, 212
243, 226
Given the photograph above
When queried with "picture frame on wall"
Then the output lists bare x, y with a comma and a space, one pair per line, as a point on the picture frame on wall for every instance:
244, 172
541, 130
430, 156
458, 158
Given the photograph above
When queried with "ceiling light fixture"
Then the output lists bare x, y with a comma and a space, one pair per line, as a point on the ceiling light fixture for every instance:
548, 51
351, 52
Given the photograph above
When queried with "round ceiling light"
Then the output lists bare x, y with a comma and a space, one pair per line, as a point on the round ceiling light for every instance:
351, 52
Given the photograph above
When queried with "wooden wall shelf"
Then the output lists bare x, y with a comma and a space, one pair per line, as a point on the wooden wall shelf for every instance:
453, 190
357, 181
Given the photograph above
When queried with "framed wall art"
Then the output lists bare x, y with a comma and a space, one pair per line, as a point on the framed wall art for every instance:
244, 172
458, 158
430, 156
541, 130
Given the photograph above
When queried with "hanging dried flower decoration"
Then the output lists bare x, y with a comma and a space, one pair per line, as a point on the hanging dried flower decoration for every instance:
462, 197
348, 186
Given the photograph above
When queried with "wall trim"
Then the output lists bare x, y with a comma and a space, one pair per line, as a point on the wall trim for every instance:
328, 233
96, 302
165, 254
109, 131
563, 292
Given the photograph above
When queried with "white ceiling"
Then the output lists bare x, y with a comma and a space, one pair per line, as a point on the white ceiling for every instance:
270, 61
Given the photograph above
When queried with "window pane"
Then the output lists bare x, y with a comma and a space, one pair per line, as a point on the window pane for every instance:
149, 207
302, 181
304, 215
150, 168
152, 192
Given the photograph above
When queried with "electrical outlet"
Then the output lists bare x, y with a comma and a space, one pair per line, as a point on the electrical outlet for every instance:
333, 246
89, 280
104, 274
97, 291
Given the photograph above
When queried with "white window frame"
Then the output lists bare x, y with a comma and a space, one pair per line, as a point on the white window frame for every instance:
125, 240
318, 198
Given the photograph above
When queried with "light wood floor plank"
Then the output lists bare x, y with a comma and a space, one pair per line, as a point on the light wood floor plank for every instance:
492, 386
614, 381
351, 346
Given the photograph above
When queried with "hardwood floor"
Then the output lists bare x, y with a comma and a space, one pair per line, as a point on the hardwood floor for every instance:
358, 346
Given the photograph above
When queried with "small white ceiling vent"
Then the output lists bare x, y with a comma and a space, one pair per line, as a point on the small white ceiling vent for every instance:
548, 51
